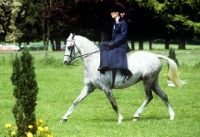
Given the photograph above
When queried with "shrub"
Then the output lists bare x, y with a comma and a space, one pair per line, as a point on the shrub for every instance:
25, 92
172, 55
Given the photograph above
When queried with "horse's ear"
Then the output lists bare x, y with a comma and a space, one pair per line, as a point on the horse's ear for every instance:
73, 35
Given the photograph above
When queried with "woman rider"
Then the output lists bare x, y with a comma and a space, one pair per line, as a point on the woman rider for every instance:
113, 53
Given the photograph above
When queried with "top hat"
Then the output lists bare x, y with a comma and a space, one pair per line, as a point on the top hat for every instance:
117, 8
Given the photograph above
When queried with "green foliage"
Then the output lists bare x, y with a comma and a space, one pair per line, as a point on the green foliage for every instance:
172, 55
25, 92
27, 20
197, 65
51, 61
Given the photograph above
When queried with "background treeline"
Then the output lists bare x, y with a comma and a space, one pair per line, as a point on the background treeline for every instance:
51, 21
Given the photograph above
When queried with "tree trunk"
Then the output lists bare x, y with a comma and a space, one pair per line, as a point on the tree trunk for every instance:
140, 44
43, 30
52, 45
181, 43
150, 44
20, 44
132, 44
48, 35
47, 30
58, 45
166, 43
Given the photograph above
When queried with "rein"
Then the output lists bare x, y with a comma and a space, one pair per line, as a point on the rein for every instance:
84, 55
88, 54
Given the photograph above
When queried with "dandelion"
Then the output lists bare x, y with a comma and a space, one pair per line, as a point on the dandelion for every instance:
29, 134
49, 135
30, 126
166, 74
46, 128
40, 129
40, 121
13, 134
8, 125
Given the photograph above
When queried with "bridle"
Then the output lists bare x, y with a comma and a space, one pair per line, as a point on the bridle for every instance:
72, 50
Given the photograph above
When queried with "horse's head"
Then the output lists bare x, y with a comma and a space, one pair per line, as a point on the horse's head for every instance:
70, 50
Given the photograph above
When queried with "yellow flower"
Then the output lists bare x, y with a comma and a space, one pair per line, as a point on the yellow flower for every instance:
39, 132
16, 128
12, 133
8, 125
29, 134
40, 129
49, 135
46, 128
30, 126
40, 121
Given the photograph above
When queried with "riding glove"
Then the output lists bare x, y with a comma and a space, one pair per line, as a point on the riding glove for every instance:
110, 45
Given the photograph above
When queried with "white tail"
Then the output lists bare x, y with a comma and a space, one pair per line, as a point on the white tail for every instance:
173, 71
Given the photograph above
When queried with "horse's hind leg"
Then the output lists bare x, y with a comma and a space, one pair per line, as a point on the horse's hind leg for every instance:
84, 93
149, 97
163, 96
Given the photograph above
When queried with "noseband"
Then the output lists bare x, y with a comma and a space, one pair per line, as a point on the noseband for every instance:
72, 50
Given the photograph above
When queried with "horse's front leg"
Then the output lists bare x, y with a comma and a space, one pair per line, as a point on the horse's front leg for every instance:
111, 98
84, 93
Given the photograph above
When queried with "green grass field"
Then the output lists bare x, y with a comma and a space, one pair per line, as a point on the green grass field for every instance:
59, 85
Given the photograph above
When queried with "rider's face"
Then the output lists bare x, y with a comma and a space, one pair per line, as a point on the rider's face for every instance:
114, 14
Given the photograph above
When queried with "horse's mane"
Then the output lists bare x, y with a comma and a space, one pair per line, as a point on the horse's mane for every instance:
85, 41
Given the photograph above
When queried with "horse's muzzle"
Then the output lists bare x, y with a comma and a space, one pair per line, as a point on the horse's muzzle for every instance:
67, 62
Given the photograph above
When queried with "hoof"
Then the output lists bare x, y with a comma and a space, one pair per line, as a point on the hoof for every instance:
63, 120
171, 118
135, 119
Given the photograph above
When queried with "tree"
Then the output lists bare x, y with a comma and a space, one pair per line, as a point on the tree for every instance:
12, 32
86, 17
5, 13
29, 20
25, 92
56, 25
170, 19
141, 25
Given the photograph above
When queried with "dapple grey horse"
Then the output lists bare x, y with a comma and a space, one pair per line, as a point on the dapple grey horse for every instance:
145, 66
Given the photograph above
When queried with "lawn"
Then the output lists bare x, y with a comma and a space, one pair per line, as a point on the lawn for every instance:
59, 85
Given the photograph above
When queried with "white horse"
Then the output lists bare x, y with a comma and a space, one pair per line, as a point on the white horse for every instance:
145, 66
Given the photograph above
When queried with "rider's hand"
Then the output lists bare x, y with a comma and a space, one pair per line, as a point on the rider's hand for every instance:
111, 44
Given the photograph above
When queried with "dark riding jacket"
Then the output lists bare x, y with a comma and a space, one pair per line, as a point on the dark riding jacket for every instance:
119, 32
115, 57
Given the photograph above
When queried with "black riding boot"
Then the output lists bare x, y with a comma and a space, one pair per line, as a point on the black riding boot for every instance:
127, 75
